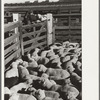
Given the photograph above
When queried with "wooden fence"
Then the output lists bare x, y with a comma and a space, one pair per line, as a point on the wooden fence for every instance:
21, 39
68, 27
12, 48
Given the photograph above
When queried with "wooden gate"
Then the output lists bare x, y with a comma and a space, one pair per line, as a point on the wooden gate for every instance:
34, 35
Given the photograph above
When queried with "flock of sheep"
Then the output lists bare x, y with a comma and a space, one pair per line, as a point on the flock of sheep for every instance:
53, 73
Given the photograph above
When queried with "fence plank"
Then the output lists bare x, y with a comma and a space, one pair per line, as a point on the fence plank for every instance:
10, 26
67, 27
11, 48
34, 40
34, 25
65, 15
8, 40
32, 33
12, 56
37, 45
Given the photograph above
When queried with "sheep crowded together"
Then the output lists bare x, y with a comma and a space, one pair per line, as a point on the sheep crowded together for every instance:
53, 73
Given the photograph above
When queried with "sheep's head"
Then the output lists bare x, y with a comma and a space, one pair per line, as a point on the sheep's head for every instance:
35, 56
29, 81
14, 65
25, 64
37, 50
47, 83
42, 68
40, 94
65, 44
67, 81
44, 75
65, 59
19, 61
70, 68
72, 93
79, 63
74, 59
49, 54
76, 77
33, 64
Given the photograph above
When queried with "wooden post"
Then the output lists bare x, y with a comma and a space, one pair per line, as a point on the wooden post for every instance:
49, 29
17, 17
21, 40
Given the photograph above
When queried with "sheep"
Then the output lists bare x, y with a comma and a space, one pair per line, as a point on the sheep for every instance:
52, 94
46, 83
65, 44
19, 87
63, 81
26, 97
7, 93
68, 66
43, 60
74, 77
39, 94
54, 74
76, 80
48, 98
25, 64
65, 58
18, 96
74, 45
13, 71
53, 57
32, 62
49, 54
35, 55
12, 76
72, 93
79, 65
15, 96
53, 47
32, 71
78, 68
42, 17
44, 53
23, 72
56, 62
68, 91
51, 74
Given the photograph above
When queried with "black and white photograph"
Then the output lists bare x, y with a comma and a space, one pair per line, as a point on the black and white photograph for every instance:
43, 50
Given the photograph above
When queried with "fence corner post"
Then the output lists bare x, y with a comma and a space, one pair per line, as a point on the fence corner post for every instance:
49, 29
17, 17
